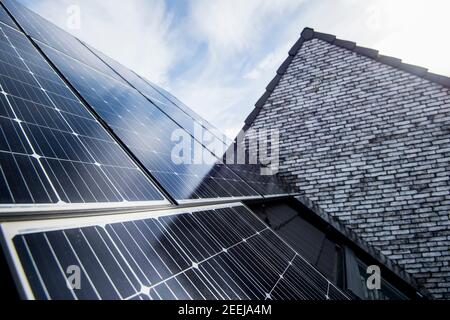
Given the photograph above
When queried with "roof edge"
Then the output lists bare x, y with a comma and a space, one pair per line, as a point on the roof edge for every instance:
309, 34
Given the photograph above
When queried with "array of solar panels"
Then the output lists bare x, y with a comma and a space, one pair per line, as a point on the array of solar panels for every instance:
140, 116
52, 149
222, 253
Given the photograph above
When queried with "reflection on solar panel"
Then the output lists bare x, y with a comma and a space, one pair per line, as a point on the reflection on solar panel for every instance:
55, 37
5, 18
189, 111
52, 150
267, 185
222, 252
309, 241
41, 29
182, 182
148, 133
131, 116
92, 146
180, 113
176, 110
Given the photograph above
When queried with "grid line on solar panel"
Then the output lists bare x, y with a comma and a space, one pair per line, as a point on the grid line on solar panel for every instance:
142, 257
73, 158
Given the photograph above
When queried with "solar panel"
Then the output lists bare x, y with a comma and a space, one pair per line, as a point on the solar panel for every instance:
199, 184
221, 252
148, 133
175, 109
189, 111
52, 149
267, 185
183, 182
180, 115
5, 18
186, 118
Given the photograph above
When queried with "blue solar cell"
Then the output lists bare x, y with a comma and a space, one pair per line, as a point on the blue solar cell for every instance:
158, 256
23, 181
52, 149
191, 235
5, 18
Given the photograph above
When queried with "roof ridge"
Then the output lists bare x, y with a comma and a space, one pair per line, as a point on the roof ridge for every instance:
309, 34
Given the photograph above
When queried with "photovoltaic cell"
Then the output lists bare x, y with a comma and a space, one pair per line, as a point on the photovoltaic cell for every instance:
223, 252
5, 18
52, 150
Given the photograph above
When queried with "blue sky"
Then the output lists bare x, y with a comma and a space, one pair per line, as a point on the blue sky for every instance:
218, 55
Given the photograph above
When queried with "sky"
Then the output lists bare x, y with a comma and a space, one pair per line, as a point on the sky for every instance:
217, 56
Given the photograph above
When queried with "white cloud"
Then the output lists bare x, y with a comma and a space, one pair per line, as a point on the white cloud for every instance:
236, 25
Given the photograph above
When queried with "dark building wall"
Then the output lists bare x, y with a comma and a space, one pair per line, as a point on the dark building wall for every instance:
370, 144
